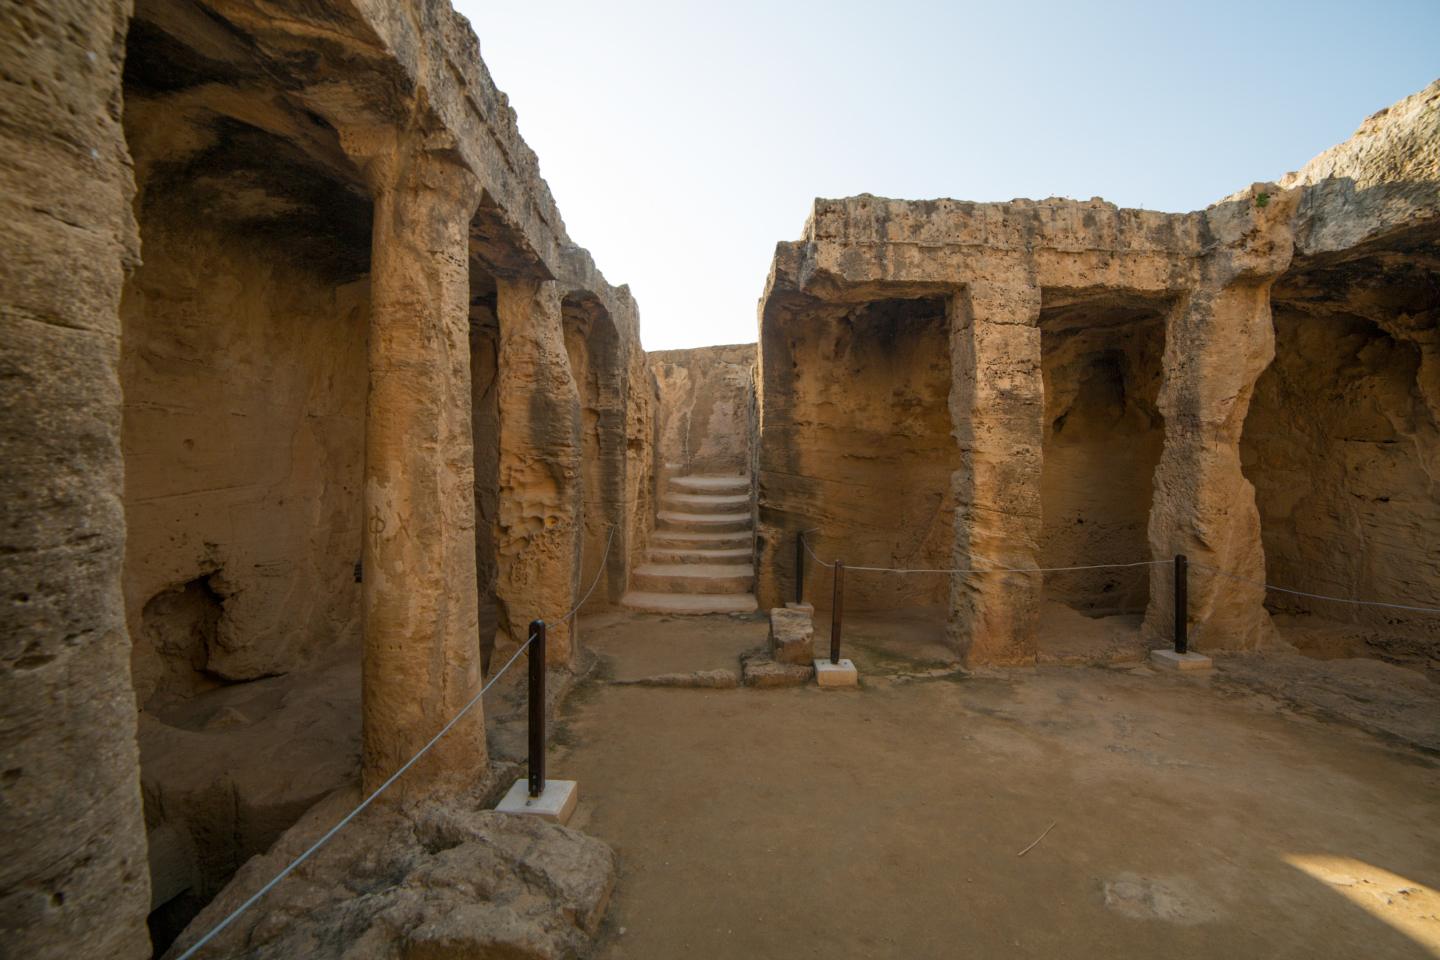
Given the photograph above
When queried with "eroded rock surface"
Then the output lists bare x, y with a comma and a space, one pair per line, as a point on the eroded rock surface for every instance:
1384, 699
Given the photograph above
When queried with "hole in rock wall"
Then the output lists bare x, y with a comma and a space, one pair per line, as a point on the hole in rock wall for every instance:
868, 448
1102, 365
485, 428
179, 625
592, 347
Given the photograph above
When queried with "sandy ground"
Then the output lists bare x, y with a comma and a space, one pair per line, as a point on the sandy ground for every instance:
1193, 817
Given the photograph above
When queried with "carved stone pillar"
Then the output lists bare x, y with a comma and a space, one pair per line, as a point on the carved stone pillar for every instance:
421, 661
73, 878
1218, 340
996, 404
538, 530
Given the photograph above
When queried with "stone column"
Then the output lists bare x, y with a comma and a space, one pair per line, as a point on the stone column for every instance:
421, 661
73, 879
1218, 340
996, 405
538, 530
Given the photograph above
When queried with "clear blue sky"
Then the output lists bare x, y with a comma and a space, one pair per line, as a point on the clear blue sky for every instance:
682, 140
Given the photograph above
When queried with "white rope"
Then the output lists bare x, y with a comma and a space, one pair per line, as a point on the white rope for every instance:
1098, 566
353, 813
1314, 596
604, 560
812, 552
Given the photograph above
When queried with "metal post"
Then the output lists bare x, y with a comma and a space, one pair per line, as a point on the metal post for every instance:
1182, 603
537, 707
837, 611
800, 567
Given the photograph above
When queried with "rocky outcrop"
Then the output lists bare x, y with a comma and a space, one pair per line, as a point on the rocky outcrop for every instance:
442, 881
1343, 437
1384, 178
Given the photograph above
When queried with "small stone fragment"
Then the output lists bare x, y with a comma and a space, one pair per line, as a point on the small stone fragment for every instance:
226, 717
708, 679
792, 637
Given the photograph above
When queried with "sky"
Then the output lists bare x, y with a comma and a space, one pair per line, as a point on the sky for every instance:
683, 140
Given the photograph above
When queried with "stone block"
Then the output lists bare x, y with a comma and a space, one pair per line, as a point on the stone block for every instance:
792, 638
555, 804
842, 674
1181, 661
806, 608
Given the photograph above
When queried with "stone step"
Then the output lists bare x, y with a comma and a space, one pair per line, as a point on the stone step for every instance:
732, 555
706, 503
690, 602
671, 540
678, 522
703, 483
694, 578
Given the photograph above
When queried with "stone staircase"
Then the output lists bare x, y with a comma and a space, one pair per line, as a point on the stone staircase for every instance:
701, 557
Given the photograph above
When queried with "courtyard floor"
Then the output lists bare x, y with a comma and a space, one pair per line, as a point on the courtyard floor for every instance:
1192, 816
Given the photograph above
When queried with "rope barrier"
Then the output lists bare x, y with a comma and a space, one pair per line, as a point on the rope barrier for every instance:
1097, 566
1315, 596
1142, 563
398, 773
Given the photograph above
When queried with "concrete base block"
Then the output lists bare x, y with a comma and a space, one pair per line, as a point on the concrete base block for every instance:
842, 674
1181, 661
555, 804
806, 608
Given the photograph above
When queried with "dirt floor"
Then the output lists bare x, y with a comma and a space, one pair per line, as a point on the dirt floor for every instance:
1233, 814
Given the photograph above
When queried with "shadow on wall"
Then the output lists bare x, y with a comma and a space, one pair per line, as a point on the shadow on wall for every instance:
859, 444
244, 375
592, 346
180, 625
1342, 442
1102, 364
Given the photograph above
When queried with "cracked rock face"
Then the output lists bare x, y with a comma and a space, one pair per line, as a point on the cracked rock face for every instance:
705, 398
436, 883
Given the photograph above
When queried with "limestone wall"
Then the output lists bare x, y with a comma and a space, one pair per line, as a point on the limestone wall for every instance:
73, 879
1102, 366
1052, 309
319, 457
704, 415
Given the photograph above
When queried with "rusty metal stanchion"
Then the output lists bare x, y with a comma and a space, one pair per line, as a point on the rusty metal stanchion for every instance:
837, 611
537, 707
800, 567
1182, 603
